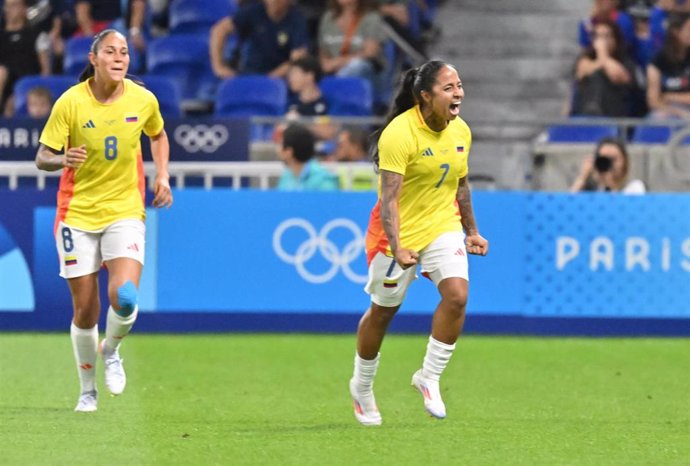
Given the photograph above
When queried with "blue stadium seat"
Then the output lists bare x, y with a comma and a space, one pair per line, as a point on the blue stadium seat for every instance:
56, 84
651, 135
77, 56
657, 135
193, 16
593, 133
184, 58
167, 93
347, 96
251, 95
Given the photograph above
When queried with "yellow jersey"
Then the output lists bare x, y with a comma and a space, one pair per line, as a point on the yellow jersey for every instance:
431, 164
110, 185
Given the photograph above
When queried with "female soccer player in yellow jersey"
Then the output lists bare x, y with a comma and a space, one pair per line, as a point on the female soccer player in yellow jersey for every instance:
423, 207
93, 135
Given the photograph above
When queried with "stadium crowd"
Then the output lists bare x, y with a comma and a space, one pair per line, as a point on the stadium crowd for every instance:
634, 60
351, 42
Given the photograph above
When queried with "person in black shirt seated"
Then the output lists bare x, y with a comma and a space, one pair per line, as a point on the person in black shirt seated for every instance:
23, 51
303, 79
605, 76
668, 75
306, 99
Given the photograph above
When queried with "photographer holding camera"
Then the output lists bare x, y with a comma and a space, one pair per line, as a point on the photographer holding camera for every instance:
607, 170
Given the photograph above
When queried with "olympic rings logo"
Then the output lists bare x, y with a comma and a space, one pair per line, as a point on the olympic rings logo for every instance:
319, 242
201, 137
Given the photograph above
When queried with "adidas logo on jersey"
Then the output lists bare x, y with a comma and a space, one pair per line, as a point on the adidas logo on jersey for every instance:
89, 124
428, 152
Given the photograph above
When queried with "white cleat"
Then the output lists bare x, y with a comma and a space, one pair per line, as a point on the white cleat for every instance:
431, 393
115, 377
88, 402
364, 403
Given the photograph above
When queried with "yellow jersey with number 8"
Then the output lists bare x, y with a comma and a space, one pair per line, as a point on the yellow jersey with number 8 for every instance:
431, 164
110, 185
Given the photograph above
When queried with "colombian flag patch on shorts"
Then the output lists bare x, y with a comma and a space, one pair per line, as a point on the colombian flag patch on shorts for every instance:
389, 284
71, 260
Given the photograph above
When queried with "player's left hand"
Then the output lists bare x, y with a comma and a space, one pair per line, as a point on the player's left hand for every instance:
162, 195
476, 244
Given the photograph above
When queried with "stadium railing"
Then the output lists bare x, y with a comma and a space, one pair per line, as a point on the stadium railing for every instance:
662, 163
235, 175
502, 150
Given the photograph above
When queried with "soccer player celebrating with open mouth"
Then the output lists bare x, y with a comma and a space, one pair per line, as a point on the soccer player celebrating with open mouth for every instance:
423, 217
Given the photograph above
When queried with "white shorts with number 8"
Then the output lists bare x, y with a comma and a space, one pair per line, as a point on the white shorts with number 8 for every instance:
82, 252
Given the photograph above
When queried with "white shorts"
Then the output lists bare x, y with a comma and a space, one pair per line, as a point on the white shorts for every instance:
445, 257
82, 252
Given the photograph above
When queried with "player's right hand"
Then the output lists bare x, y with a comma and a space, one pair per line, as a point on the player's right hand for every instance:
406, 257
75, 157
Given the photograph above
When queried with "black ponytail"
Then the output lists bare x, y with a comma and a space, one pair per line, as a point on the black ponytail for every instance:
403, 101
87, 73
409, 94
89, 70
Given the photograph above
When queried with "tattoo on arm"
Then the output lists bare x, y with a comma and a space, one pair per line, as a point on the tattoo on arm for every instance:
48, 159
464, 198
391, 185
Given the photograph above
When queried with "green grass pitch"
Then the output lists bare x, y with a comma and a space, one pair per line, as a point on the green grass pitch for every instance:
235, 399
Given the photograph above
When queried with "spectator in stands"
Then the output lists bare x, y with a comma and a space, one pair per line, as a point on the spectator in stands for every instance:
93, 16
302, 172
350, 41
658, 19
39, 102
312, 10
429, 29
353, 146
396, 13
160, 16
270, 34
607, 170
605, 76
306, 99
303, 79
56, 18
608, 9
23, 51
640, 12
668, 76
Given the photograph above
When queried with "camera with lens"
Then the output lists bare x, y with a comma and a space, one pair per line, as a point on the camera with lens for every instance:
602, 163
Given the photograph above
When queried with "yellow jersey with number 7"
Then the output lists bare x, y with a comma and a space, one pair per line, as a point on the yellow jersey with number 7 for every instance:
110, 185
431, 163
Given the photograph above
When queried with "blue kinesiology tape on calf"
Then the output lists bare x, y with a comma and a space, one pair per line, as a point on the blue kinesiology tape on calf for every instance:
127, 296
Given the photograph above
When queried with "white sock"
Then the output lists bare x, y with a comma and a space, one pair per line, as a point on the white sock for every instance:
365, 370
85, 346
436, 358
118, 327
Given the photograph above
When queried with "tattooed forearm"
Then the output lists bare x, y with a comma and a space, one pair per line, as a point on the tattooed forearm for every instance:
49, 159
464, 197
391, 183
